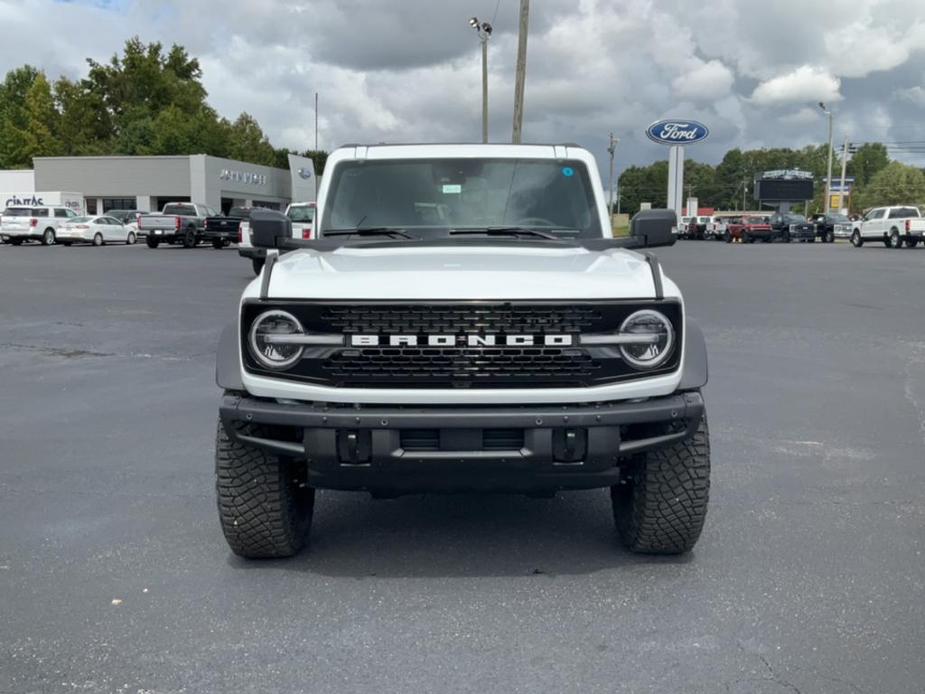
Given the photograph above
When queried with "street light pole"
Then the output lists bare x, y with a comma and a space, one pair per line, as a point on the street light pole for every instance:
844, 170
828, 180
484, 31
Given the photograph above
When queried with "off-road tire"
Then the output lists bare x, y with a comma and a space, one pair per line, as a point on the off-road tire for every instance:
895, 239
661, 504
48, 237
264, 504
152, 243
856, 239
257, 264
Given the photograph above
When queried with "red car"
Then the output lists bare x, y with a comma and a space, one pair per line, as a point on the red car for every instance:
747, 229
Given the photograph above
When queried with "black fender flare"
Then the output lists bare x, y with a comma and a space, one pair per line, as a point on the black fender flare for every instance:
228, 361
696, 371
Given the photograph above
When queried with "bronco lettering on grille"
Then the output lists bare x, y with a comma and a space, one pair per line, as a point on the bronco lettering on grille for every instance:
467, 340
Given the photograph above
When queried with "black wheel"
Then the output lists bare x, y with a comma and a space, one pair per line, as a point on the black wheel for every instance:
786, 237
856, 239
912, 243
747, 238
257, 264
829, 237
895, 240
218, 244
661, 504
97, 239
264, 502
727, 237
48, 237
130, 239
15, 242
152, 243
189, 238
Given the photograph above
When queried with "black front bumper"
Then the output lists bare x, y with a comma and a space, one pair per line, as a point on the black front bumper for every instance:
390, 449
250, 252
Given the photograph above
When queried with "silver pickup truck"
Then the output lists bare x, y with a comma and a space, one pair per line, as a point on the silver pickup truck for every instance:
179, 222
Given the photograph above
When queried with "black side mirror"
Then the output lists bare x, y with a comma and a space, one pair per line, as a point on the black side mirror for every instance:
268, 227
652, 228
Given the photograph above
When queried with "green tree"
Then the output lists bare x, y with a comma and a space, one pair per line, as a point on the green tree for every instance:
40, 134
14, 117
869, 159
896, 184
247, 142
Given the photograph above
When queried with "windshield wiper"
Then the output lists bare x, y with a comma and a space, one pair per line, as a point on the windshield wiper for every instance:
504, 231
368, 231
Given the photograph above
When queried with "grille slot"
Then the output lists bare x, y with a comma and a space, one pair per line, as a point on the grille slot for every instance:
460, 319
502, 439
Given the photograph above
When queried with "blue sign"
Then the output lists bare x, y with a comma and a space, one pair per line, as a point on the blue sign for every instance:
677, 132
305, 173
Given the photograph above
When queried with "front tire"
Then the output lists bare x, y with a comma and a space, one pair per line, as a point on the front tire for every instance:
130, 239
829, 237
895, 240
856, 239
48, 237
661, 505
264, 503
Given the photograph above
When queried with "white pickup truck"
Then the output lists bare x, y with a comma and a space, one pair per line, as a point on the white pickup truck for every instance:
463, 321
892, 225
302, 216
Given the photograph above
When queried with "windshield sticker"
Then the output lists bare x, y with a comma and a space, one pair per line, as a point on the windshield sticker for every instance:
452, 188
568, 171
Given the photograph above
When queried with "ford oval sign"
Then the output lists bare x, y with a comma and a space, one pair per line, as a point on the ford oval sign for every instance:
677, 132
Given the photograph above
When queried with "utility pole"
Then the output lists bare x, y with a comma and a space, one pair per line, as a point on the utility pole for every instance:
744, 191
844, 170
521, 74
612, 148
316, 121
828, 180
484, 30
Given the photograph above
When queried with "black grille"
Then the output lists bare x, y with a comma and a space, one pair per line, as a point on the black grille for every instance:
508, 318
461, 365
374, 365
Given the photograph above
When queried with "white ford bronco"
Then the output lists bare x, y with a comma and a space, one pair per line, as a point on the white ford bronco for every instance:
463, 321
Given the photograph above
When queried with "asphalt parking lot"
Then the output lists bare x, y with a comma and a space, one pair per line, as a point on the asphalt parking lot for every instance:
809, 577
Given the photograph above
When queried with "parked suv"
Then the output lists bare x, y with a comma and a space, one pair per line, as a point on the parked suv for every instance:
788, 227
747, 229
891, 225
20, 224
463, 321
831, 225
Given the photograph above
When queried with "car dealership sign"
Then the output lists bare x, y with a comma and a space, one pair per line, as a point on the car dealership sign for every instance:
677, 132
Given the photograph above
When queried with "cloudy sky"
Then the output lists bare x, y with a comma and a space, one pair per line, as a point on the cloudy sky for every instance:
409, 70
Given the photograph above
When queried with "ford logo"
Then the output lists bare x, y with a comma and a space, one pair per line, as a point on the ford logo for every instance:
677, 132
305, 173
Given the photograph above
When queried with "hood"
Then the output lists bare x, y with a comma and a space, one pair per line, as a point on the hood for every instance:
481, 272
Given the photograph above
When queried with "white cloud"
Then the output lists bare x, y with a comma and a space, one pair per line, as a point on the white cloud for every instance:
913, 95
806, 83
705, 82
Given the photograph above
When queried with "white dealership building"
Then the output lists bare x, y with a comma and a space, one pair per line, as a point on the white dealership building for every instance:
148, 182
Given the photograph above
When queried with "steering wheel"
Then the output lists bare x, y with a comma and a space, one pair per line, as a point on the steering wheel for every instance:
535, 222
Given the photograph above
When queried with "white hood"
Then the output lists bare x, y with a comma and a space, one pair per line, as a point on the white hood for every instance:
490, 271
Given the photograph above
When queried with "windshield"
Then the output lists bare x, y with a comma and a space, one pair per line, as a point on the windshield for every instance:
78, 220
302, 214
839, 218
239, 212
755, 220
430, 196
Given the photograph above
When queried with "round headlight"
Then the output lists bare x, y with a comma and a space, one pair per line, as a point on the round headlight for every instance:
267, 339
658, 341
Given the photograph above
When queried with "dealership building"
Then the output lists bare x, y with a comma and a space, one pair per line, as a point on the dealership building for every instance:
149, 182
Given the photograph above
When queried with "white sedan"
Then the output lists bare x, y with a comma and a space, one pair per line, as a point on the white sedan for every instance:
95, 230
